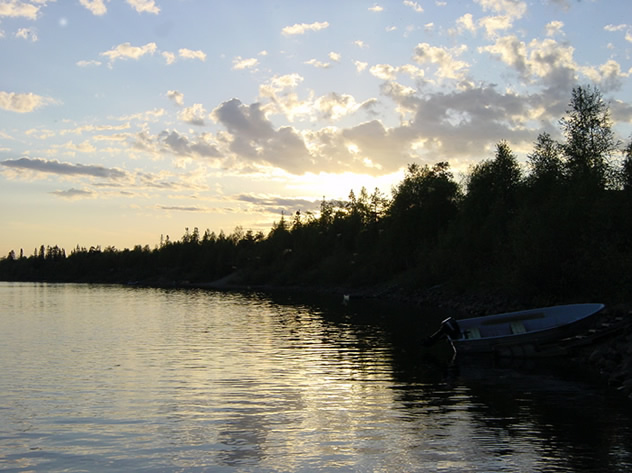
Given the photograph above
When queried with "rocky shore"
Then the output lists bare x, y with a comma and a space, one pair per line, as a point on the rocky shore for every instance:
609, 354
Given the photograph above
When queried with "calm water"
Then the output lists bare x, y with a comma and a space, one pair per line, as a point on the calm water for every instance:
107, 378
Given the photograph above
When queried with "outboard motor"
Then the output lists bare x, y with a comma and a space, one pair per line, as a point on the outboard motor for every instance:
449, 328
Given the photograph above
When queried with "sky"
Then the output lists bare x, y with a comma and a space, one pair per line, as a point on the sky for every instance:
123, 122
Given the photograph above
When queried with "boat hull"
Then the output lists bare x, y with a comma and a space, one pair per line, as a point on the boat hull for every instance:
532, 332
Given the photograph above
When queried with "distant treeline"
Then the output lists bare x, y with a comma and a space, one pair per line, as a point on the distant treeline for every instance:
560, 229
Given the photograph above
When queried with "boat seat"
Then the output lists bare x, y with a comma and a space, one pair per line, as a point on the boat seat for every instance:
517, 328
473, 332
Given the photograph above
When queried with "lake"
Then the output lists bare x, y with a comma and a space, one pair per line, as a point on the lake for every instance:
110, 378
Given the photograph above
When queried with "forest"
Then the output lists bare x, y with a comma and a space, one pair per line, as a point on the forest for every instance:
557, 228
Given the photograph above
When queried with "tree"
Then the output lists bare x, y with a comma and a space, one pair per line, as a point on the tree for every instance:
626, 171
493, 184
590, 140
545, 163
423, 204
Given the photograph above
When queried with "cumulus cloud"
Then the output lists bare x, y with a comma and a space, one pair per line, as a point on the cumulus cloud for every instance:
170, 57
191, 54
240, 63
360, 65
19, 9
335, 106
414, 5
281, 94
22, 103
448, 66
303, 28
144, 6
512, 8
127, 51
318, 64
176, 97
96, 7
193, 115
544, 60
384, 71
554, 27
67, 169
173, 142
252, 137
29, 34
466, 23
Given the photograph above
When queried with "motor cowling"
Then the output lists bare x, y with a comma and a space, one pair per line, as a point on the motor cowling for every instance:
450, 327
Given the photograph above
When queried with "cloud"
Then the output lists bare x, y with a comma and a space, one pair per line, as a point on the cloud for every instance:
170, 57
253, 138
276, 204
74, 194
240, 63
512, 8
142, 6
280, 92
22, 103
190, 54
335, 106
448, 67
68, 169
360, 65
545, 60
414, 5
376, 8
361, 44
466, 23
180, 208
554, 27
177, 97
384, 71
173, 142
29, 34
148, 116
96, 7
193, 115
127, 51
17, 9
88, 63
613, 28
318, 64
303, 28
336, 57
494, 24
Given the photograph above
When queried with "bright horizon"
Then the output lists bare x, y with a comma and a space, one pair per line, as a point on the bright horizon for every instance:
121, 121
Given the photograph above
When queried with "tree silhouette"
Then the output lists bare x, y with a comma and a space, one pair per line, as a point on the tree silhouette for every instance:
590, 140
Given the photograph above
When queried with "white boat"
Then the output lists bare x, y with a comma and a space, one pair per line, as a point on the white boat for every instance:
522, 333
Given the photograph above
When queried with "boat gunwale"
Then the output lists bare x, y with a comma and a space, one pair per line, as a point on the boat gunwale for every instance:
478, 321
